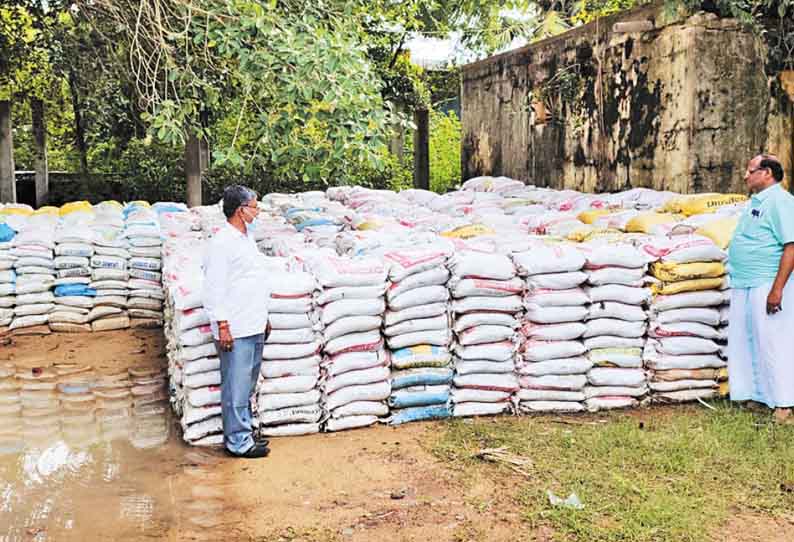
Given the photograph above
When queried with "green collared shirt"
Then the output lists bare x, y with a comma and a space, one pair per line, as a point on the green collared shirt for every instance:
766, 225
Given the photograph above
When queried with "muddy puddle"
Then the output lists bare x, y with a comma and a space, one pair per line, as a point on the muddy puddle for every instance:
87, 455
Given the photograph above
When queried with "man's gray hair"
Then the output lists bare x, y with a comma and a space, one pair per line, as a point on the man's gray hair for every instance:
234, 197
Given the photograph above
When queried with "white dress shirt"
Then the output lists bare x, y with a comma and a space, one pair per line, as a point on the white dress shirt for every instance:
236, 287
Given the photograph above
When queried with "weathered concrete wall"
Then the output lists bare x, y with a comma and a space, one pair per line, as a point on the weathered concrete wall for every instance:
679, 107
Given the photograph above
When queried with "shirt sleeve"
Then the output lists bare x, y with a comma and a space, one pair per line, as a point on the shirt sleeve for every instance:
214, 289
783, 220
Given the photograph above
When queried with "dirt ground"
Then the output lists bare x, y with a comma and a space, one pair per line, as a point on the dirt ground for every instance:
374, 484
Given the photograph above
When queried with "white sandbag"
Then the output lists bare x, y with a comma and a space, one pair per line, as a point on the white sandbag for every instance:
191, 414
290, 351
705, 298
678, 385
362, 408
404, 263
20, 322
392, 318
37, 309
609, 403
287, 384
30, 299
201, 380
298, 367
110, 301
707, 316
350, 325
575, 382
553, 332
379, 391
149, 264
437, 337
201, 429
290, 430
684, 249
290, 321
419, 296
467, 395
509, 304
616, 357
349, 422
494, 351
477, 265
621, 311
493, 382
686, 329
61, 317
354, 361
557, 298
549, 395
83, 250
480, 409
356, 378
110, 274
464, 367
556, 281
683, 346
300, 305
204, 396
485, 334
350, 292
661, 362
616, 376
439, 322
331, 271
431, 277
111, 323
351, 307
621, 294
546, 350
555, 315
196, 336
608, 255
616, 275
549, 259
473, 319
562, 366
79, 301
286, 400
485, 287
149, 276
144, 303
108, 262
614, 327
191, 318
102, 312
615, 391
71, 262
610, 341
354, 342
551, 406
682, 396
300, 414
292, 336
201, 365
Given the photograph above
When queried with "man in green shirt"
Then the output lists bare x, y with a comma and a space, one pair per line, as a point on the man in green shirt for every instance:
760, 261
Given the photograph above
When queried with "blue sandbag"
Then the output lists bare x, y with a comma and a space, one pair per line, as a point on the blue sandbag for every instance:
417, 414
418, 399
6, 233
67, 290
420, 377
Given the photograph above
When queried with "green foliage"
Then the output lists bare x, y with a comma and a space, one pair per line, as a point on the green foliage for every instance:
445, 165
590, 10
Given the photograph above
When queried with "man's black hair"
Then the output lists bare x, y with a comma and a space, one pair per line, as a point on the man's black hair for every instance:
773, 166
234, 197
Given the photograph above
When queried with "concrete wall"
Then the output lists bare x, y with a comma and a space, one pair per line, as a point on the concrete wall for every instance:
681, 106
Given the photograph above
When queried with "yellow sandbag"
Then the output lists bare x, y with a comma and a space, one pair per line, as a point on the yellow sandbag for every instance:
370, 225
588, 217
114, 203
724, 389
719, 230
645, 222
672, 272
583, 235
46, 210
695, 285
139, 203
723, 374
467, 232
698, 204
21, 211
75, 206
673, 375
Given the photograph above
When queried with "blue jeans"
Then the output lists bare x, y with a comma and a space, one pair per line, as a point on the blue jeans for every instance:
239, 372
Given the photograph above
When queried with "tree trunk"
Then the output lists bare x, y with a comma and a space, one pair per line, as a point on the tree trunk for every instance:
205, 143
79, 127
193, 170
397, 142
40, 148
8, 185
422, 149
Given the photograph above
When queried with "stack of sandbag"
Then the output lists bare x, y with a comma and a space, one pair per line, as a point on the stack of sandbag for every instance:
142, 232
33, 248
288, 391
109, 275
486, 307
687, 333
553, 366
74, 296
8, 276
351, 301
113, 402
149, 402
616, 324
418, 334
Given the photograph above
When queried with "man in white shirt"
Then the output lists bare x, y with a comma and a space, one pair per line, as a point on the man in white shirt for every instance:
235, 297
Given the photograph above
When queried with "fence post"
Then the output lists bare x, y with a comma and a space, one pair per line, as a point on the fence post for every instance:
193, 170
40, 148
8, 185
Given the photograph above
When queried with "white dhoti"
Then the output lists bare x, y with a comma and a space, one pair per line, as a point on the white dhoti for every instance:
761, 347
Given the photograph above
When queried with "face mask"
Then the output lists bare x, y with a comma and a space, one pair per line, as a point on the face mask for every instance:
250, 226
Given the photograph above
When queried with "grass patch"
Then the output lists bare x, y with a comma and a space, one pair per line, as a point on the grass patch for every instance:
667, 474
